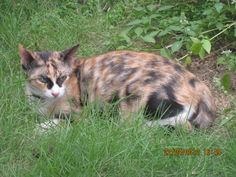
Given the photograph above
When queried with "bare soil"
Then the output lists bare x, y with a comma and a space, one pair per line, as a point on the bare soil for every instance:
208, 71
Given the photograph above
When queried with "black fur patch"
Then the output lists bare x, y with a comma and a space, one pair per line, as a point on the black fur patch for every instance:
49, 84
129, 55
112, 64
46, 80
77, 72
118, 68
130, 96
127, 73
44, 55
60, 80
96, 85
125, 56
192, 82
109, 61
178, 68
168, 88
152, 76
195, 114
114, 97
161, 108
31, 65
167, 62
152, 63
37, 96
24, 67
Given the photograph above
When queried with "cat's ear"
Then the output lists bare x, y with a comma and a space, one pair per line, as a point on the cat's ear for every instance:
26, 58
69, 53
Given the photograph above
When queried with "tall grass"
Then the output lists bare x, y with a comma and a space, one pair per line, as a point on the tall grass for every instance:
98, 144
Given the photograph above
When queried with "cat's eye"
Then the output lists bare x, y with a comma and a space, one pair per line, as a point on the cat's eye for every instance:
60, 80
43, 79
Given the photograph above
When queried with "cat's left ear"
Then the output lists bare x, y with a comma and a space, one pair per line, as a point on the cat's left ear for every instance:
69, 53
26, 58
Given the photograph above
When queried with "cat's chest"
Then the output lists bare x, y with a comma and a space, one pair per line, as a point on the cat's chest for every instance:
51, 107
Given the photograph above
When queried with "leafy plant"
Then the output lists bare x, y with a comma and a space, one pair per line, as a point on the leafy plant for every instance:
227, 59
191, 27
226, 82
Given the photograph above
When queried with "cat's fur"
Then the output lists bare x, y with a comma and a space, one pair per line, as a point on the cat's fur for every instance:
138, 79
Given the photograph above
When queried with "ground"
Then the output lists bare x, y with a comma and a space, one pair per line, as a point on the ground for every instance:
208, 71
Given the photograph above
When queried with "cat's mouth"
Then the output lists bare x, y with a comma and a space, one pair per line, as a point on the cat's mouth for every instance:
54, 94
54, 97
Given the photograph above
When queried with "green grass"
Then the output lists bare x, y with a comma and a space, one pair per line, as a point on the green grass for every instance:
98, 145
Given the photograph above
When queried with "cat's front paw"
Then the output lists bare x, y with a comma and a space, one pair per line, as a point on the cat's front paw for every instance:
46, 126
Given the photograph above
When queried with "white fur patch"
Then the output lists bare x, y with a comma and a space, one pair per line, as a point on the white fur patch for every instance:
45, 126
179, 119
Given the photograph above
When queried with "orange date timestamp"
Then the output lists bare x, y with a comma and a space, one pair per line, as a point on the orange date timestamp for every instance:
191, 151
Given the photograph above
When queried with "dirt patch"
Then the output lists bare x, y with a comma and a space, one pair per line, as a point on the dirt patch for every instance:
208, 71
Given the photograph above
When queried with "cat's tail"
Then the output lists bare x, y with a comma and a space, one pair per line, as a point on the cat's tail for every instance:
205, 113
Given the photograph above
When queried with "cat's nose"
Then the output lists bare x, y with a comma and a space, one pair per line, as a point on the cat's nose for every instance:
55, 94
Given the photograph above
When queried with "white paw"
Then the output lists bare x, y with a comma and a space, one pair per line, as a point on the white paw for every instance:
48, 125
151, 123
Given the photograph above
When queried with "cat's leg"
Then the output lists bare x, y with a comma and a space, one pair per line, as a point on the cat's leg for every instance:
129, 110
47, 125
50, 123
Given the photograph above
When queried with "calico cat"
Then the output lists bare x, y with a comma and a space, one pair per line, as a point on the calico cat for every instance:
63, 84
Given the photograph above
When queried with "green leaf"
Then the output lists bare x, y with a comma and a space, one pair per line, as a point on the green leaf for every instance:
189, 31
149, 38
153, 33
206, 44
219, 26
165, 53
207, 12
163, 33
138, 31
226, 81
188, 61
152, 7
202, 53
220, 61
218, 7
196, 47
135, 22
145, 20
124, 35
176, 46
195, 40
154, 16
162, 8
139, 8
175, 28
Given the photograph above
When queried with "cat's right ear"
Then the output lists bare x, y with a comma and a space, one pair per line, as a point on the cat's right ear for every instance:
26, 58
69, 53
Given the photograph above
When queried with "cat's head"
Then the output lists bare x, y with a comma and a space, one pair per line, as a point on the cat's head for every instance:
47, 72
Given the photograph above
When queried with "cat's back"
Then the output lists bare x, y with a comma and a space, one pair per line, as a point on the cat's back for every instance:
144, 65
142, 71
